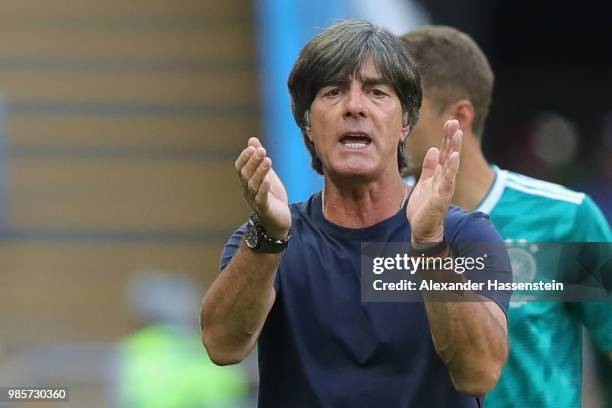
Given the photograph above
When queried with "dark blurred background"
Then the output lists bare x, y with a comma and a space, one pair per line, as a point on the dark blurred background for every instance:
551, 115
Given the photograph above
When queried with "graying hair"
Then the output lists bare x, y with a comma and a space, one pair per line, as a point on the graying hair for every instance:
335, 55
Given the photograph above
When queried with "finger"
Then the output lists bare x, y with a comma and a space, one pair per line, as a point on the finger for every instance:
430, 162
249, 168
453, 143
454, 147
244, 157
444, 147
451, 168
457, 141
261, 198
450, 127
276, 185
253, 141
260, 173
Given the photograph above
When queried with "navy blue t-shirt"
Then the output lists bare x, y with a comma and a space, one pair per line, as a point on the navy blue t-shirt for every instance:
322, 347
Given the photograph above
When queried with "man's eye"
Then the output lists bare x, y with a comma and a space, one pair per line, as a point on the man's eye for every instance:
378, 92
333, 92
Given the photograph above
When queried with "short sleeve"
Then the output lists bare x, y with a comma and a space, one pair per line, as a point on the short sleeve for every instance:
477, 239
591, 226
232, 245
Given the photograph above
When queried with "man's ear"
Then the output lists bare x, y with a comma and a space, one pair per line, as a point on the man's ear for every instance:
462, 110
405, 133
307, 125
308, 133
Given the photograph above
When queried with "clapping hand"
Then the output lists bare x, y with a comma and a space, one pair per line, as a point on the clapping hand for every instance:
263, 190
433, 193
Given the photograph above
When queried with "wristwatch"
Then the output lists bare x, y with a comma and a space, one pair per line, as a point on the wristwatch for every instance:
259, 241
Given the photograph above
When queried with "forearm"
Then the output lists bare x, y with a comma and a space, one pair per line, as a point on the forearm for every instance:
237, 304
469, 331
470, 341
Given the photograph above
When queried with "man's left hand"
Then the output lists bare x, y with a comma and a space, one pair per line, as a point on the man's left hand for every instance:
433, 193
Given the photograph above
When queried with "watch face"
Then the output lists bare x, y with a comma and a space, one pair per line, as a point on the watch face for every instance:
250, 236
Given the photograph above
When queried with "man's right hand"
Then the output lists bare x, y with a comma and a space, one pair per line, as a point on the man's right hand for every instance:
263, 190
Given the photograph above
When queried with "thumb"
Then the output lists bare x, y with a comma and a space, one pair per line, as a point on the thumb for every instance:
430, 162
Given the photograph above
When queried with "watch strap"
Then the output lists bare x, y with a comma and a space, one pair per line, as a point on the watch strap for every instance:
265, 243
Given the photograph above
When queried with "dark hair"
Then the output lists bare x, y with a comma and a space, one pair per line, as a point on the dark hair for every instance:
335, 55
452, 67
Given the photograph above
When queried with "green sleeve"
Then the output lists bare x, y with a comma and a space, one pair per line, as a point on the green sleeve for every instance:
591, 226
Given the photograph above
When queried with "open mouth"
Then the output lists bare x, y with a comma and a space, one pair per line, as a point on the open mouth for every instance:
355, 140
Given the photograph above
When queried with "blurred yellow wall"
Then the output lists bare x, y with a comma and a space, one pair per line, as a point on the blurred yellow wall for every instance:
124, 119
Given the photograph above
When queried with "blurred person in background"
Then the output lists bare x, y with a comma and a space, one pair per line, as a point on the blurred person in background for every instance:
161, 364
544, 367
290, 278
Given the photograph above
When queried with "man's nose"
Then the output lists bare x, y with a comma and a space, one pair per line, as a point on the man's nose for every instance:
355, 104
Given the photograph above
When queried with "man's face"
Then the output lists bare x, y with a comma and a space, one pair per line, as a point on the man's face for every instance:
428, 132
356, 125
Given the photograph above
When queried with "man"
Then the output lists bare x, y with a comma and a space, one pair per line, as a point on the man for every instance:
293, 285
544, 367
159, 364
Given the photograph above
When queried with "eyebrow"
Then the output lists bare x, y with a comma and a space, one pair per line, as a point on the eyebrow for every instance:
367, 81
